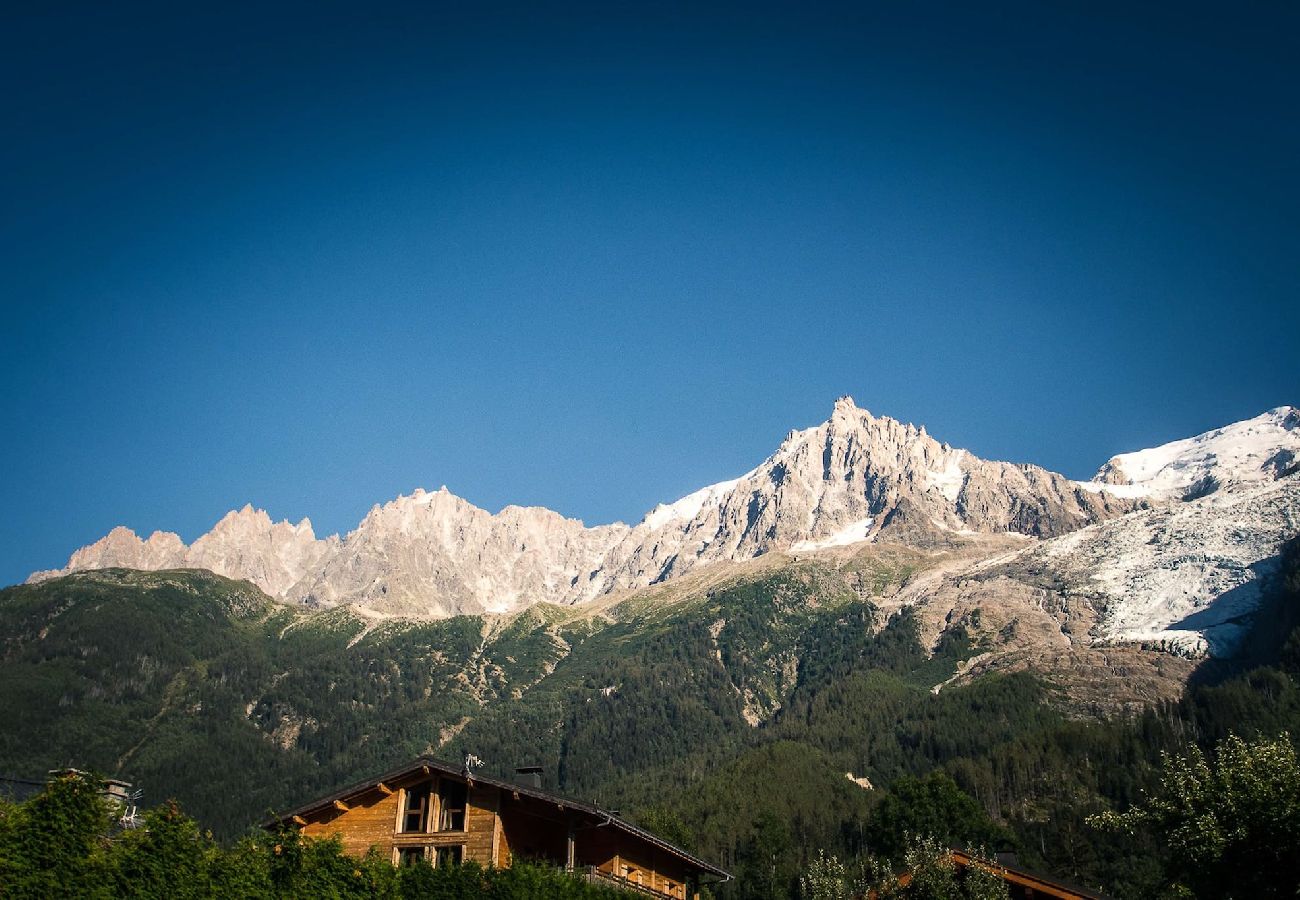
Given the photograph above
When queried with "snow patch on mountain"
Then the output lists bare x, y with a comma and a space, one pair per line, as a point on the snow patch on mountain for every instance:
854, 533
688, 507
950, 479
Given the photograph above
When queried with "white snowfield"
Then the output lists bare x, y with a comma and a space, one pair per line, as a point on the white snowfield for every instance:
688, 507
950, 479
1257, 449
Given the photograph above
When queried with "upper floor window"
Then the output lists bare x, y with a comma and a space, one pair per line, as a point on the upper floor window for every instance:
415, 814
452, 797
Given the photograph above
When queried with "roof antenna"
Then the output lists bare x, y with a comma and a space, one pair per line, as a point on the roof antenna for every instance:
130, 806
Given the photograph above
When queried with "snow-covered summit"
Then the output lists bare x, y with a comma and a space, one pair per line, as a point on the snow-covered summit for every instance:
1258, 449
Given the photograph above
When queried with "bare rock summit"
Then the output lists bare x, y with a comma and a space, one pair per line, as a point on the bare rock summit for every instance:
853, 478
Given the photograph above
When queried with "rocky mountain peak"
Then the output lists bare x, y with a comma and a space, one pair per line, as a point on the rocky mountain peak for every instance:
846, 408
854, 477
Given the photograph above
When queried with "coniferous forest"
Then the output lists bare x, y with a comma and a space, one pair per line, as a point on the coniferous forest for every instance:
783, 727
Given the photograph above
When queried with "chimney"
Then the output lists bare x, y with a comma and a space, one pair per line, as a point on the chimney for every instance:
529, 776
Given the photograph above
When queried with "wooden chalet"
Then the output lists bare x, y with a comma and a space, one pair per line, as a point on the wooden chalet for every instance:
446, 814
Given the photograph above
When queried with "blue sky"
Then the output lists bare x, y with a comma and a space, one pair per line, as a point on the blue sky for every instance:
595, 257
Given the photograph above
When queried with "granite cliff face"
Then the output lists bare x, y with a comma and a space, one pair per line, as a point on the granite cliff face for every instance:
850, 479
245, 544
854, 478
434, 554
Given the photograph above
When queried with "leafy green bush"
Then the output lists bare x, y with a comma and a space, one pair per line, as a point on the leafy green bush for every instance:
62, 843
1231, 821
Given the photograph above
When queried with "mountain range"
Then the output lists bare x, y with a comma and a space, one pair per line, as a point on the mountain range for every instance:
1164, 546
866, 607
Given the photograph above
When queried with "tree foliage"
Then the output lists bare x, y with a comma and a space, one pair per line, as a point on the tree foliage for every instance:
929, 872
61, 844
727, 722
1231, 820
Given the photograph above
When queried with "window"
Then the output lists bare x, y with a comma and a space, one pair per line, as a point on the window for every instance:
451, 799
409, 856
415, 815
448, 856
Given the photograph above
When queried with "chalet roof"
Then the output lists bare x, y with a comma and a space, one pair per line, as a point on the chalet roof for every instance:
447, 768
1049, 886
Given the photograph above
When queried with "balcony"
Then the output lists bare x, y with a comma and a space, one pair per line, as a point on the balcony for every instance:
595, 876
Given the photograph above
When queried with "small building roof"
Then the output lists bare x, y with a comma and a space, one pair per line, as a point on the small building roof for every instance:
609, 817
1047, 886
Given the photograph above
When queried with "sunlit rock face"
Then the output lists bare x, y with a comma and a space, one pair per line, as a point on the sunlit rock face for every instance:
854, 478
434, 554
245, 544
847, 480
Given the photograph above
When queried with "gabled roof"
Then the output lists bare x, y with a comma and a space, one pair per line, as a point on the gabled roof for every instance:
447, 768
1048, 886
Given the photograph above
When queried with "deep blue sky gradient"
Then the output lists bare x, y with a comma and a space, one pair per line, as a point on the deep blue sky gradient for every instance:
596, 257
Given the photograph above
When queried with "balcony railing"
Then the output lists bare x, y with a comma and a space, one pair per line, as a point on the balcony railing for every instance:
596, 876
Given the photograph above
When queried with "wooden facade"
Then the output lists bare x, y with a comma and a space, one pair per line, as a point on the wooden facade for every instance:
436, 811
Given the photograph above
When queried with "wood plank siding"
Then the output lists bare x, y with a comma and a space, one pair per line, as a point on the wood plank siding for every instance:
430, 808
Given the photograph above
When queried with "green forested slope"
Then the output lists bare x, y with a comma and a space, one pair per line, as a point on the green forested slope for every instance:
729, 720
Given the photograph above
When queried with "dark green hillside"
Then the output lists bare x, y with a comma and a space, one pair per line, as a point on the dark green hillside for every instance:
166, 678
198, 687
756, 722
96, 665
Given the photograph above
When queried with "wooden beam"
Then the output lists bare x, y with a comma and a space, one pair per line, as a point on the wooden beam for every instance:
384, 789
340, 805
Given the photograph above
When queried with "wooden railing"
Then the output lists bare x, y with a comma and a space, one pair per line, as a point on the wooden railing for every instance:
596, 876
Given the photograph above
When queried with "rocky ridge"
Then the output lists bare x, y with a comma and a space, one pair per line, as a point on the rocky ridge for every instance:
436, 555
854, 478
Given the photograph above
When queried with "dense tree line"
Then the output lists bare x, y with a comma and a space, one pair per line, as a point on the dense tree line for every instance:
733, 724
62, 843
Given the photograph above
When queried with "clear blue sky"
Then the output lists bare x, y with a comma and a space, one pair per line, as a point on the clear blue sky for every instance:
596, 257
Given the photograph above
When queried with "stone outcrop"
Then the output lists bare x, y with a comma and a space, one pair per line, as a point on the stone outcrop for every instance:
856, 477
245, 544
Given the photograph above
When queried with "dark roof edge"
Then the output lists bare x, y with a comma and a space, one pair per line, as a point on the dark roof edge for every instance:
1030, 874
536, 793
